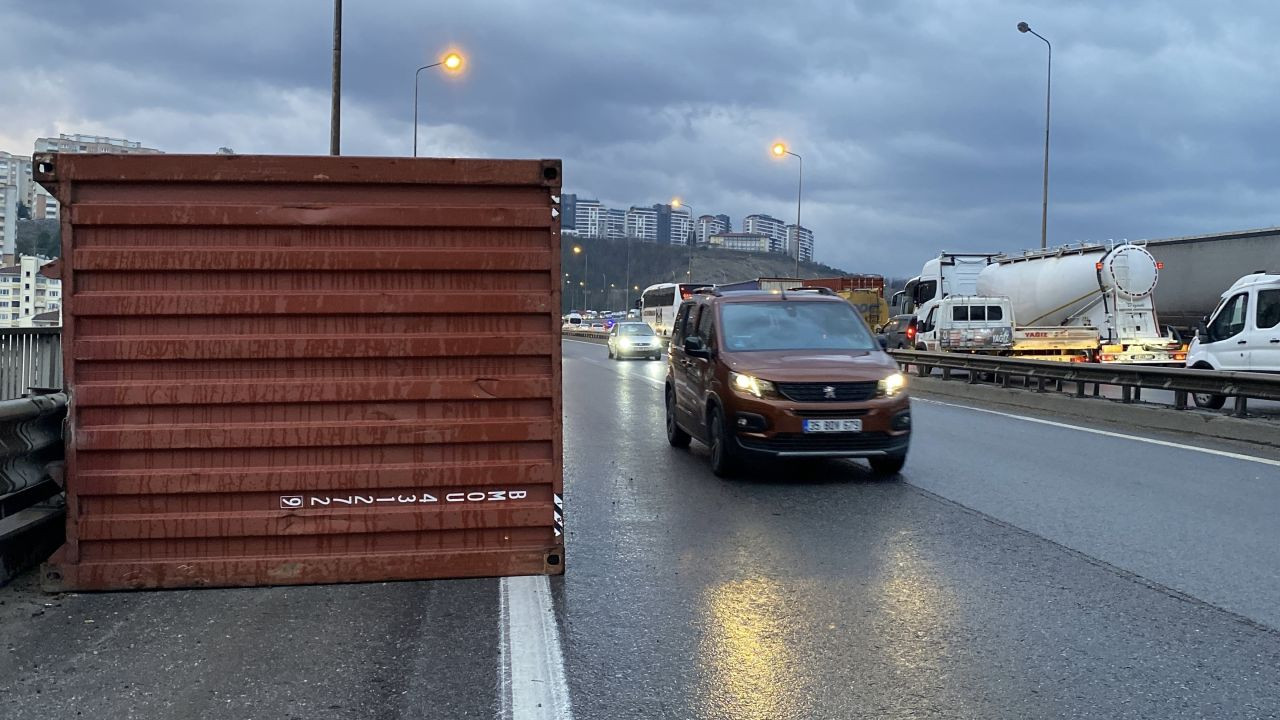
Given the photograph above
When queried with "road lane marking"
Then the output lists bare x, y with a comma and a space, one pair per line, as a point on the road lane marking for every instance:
1095, 431
531, 665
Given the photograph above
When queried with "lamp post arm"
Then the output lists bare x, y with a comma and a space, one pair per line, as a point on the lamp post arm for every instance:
416, 75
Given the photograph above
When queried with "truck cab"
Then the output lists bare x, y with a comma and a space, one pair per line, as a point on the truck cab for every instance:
1243, 332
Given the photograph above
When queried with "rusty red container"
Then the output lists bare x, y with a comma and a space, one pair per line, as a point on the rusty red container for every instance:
290, 370
848, 283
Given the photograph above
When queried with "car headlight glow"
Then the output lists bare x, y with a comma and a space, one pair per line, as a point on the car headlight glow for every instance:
750, 384
624, 343
892, 385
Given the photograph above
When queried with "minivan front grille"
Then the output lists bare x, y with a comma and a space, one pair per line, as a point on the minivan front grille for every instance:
827, 392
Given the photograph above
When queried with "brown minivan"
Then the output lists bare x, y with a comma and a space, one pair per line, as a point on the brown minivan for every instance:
793, 374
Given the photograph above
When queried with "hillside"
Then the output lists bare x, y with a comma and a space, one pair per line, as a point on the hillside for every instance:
608, 264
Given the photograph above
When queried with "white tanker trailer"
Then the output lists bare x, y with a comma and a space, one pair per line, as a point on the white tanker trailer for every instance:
1087, 302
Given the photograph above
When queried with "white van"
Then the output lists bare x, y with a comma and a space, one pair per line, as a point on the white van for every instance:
960, 323
1243, 332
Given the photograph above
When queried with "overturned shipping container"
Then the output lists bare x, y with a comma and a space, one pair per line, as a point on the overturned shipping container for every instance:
291, 370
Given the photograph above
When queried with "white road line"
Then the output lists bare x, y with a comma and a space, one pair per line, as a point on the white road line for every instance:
1095, 431
532, 678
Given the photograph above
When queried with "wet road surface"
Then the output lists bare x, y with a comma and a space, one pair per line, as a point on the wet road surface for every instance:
1016, 570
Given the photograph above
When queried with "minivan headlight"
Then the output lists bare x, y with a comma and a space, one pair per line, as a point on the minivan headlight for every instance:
745, 383
892, 385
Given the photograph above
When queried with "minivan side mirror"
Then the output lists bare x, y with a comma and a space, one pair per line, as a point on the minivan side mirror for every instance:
693, 347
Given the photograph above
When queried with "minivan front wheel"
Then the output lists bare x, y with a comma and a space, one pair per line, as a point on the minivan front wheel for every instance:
675, 436
724, 456
887, 465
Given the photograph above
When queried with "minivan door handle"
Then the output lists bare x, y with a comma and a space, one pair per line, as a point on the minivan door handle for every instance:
1275, 340
1241, 342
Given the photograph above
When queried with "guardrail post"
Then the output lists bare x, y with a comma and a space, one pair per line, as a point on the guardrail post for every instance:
1242, 406
1040, 384
1126, 394
1097, 389
973, 377
1137, 394
946, 373
1079, 388
1180, 399
1004, 379
1057, 385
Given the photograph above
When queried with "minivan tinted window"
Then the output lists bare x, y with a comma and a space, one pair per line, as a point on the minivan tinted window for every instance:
793, 326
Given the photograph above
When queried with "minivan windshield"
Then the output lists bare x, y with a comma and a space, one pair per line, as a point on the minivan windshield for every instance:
635, 329
797, 325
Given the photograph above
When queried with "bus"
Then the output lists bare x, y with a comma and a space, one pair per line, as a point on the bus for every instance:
659, 304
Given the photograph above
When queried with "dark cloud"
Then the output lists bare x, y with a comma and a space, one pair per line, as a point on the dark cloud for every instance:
921, 123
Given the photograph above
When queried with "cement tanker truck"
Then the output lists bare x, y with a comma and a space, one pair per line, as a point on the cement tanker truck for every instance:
1107, 289
1082, 303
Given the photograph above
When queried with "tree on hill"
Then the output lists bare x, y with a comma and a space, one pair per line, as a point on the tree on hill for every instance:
610, 274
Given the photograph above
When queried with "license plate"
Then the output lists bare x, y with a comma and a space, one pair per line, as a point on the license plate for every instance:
1144, 356
821, 426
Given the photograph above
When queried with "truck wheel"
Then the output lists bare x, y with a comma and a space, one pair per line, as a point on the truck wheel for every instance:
887, 465
724, 454
675, 436
1209, 401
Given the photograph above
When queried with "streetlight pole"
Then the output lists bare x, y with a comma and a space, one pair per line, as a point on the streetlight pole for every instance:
780, 149
1048, 90
451, 62
678, 203
335, 99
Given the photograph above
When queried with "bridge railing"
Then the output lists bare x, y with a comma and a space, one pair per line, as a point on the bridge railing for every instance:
29, 358
1132, 379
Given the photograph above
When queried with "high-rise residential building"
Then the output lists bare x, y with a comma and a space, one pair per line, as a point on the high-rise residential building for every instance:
589, 216
642, 223
78, 143
8, 219
743, 242
708, 225
16, 170
681, 226
45, 207
805, 242
568, 213
27, 296
615, 223
768, 225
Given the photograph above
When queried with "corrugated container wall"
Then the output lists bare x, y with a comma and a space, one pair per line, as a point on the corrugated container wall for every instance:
295, 370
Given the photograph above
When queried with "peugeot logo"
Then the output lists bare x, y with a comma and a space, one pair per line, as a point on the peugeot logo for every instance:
829, 392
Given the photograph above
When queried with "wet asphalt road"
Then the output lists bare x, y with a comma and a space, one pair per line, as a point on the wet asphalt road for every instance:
1016, 570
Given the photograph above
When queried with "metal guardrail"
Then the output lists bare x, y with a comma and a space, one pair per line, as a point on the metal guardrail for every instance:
29, 358
31, 449
1130, 378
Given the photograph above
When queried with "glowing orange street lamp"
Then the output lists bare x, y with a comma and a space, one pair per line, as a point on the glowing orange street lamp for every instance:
452, 62
781, 150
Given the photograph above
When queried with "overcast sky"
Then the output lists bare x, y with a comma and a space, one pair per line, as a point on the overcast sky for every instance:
921, 122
